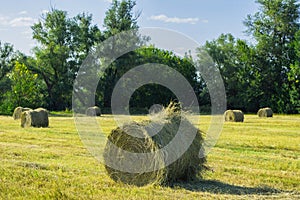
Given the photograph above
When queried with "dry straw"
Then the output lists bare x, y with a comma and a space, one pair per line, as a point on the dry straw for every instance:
234, 116
18, 111
35, 118
185, 168
93, 111
265, 112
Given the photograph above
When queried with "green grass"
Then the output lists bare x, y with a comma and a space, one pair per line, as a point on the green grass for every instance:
257, 159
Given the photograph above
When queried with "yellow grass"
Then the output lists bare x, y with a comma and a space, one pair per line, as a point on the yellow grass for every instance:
257, 159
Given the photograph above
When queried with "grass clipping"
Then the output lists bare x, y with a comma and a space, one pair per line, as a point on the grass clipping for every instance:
234, 116
265, 112
186, 167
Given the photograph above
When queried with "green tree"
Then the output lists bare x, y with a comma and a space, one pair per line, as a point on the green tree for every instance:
63, 44
119, 18
25, 87
294, 76
84, 36
263, 73
233, 58
151, 94
7, 58
274, 28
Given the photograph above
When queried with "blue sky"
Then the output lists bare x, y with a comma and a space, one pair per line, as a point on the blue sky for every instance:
201, 20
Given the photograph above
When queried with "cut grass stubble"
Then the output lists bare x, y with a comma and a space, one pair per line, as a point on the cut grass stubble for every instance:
252, 160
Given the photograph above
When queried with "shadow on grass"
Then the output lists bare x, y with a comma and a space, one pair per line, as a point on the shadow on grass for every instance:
218, 187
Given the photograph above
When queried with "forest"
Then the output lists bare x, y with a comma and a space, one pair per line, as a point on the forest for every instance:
261, 72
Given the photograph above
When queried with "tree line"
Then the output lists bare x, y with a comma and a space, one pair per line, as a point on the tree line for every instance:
262, 72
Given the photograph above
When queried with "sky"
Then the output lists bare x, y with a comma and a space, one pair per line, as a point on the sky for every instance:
201, 20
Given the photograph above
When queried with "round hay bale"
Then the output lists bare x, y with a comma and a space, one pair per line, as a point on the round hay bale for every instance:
185, 168
18, 111
265, 112
35, 118
234, 116
93, 111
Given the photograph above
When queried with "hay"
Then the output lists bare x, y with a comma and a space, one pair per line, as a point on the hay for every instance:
18, 111
93, 111
265, 112
35, 118
185, 168
234, 116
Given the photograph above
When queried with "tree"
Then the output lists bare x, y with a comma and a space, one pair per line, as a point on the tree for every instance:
151, 94
294, 76
7, 58
63, 44
274, 28
25, 87
263, 73
7, 55
119, 18
85, 36
233, 58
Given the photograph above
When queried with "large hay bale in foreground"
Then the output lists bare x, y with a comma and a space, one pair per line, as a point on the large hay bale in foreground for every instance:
265, 112
35, 118
234, 116
18, 111
185, 168
93, 111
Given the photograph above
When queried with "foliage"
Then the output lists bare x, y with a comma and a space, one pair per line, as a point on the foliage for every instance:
26, 87
263, 73
7, 56
274, 28
294, 76
6, 59
150, 94
119, 17
64, 43
232, 58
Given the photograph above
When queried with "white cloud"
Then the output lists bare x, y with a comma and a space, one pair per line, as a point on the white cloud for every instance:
4, 20
24, 12
17, 21
22, 22
177, 20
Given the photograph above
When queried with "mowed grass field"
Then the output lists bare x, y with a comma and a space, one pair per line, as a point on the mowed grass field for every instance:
257, 159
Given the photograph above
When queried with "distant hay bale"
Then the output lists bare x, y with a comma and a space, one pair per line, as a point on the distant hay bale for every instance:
265, 112
18, 111
234, 116
93, 111
185, 168
35, 118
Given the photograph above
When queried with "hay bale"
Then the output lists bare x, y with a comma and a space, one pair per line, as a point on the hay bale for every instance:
185, 168
93, 111
18, 111
265, 112
35, 118
234, 116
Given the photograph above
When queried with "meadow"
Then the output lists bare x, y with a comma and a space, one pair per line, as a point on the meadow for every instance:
257, 159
